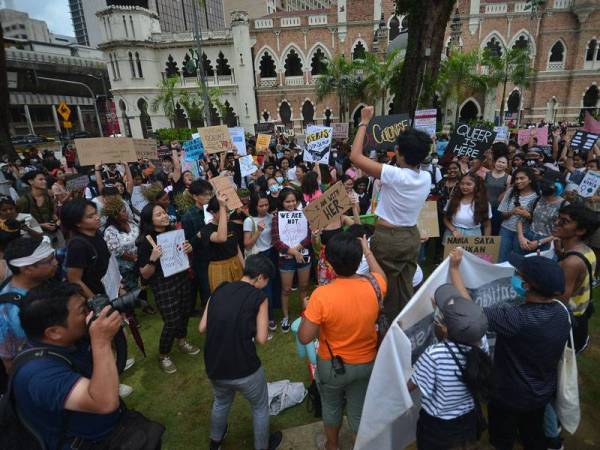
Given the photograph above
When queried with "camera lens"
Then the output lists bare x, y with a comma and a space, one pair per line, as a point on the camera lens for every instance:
126, 302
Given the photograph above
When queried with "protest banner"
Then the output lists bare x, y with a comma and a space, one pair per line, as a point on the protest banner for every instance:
215, 139
262, 142
264, 128
282, 129
317, 144
382, 131
107, 150
145, 149
582, 141
77, 183
225, 185
471, 140
541, 134
426, 120
427, 222
390, 411
112, 278
292, 227
164, 151
331, 205
238, 137
194, 150
173, 259
340, 130
486, 247
247, 165
501, 134
589, 185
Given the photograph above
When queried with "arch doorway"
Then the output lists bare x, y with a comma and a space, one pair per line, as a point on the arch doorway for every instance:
145, 120
285, 113
469, 111
308, 114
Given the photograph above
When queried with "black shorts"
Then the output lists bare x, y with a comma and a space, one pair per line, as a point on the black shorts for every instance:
439, 434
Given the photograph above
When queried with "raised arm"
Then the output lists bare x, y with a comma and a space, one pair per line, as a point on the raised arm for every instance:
455, 276
176, 166
369, 167
99, 180
128, 178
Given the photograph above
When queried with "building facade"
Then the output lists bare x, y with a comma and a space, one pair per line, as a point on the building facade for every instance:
18, 25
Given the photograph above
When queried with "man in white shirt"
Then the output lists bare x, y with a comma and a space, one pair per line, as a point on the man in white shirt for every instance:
404, 189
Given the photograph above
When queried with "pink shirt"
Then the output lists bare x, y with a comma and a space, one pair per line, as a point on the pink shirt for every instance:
311, 197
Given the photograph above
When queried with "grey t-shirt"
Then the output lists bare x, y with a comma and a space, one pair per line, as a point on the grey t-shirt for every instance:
544, 214
508, 204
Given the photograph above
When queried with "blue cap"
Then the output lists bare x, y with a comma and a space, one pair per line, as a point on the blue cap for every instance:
545, 274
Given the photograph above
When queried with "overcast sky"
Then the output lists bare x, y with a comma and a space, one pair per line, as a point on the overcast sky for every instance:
55, 12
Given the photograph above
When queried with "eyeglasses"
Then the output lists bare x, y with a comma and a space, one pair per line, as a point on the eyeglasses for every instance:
561, 221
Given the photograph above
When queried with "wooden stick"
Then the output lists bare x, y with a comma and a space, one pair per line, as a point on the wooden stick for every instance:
151, 241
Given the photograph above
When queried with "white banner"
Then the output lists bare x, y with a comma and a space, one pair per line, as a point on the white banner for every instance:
389, 416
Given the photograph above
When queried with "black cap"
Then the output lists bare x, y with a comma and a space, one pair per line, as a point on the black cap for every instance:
465, 319
545, 274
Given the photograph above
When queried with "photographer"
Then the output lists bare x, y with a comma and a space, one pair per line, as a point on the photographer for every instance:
74, 404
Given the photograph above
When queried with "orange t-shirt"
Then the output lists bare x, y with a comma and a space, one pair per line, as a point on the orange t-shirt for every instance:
346, 311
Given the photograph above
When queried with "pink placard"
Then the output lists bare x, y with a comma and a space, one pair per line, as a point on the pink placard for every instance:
540, 133
523, 137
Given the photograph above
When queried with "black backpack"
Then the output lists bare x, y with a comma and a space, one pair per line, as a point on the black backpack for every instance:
15, 432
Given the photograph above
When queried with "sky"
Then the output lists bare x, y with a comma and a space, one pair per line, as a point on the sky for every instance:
55, 12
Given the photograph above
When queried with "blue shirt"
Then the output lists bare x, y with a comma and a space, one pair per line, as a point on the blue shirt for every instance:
12, 336
42, 387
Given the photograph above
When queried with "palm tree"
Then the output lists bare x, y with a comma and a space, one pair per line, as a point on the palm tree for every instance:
165, 99
458, 76
380, 75
513, 65
193, 103
340, 76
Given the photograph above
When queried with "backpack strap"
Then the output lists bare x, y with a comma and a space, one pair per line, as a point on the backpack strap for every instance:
5, 282
12, 298
369, 276
588, 265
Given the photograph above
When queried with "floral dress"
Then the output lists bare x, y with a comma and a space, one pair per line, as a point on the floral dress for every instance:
118, 243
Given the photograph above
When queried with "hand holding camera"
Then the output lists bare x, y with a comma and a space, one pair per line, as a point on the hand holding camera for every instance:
103, 326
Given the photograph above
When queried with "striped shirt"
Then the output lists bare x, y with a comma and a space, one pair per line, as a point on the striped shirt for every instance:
508, 204
438, 377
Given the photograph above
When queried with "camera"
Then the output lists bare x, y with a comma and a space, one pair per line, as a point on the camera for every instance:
122, 304
337, 364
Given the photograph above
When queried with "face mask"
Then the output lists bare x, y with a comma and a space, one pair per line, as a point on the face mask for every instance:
279, 180
434, 161
517, 283
559, 188
93, 177
274, 188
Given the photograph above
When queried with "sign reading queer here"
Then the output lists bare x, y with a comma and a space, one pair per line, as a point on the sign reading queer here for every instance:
292, 227
328, 207
318, 144
471, 141
382, 131
105, 150
215, 139
486, 247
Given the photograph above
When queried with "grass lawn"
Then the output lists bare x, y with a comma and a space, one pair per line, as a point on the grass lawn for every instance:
183, 401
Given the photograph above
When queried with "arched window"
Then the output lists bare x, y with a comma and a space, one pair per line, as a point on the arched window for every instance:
145, 120
188, 67
131, 66
394, 28
207, 66
115, 57
591, 99
521, 43
328, 114
214, 115
180, 117
359, 51
556, 60
230, 119
308, 113
112, 66
469, 111
126, 124
513, 104
293, 64
139, 65
494, 47
266, 116
223, 65
318, 63
285, 113
592, 50
171, 68
267, 66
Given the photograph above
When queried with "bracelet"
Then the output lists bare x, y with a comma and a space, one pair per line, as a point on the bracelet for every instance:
361, 125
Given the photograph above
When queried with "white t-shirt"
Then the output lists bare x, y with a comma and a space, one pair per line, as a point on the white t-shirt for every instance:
403, 194
464, 217
263, 243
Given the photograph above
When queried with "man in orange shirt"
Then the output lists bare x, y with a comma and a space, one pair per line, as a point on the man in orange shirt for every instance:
343, 315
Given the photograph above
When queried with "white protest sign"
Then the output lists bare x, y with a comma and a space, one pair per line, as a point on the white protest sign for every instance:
318, 144
112, 278
501, 134
293, 227
589, 185
426, 120
173, 259
238, 137
247, 166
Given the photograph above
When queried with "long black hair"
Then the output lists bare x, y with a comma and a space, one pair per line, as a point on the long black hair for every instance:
146, 224
514, 193
254, 199
477, 373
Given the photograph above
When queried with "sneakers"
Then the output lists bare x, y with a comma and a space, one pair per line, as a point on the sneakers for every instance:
129, 363
188, 348
272, 325
125, 390
270, 336
167, 365
275, 440
555, 443
214, 445
285, 325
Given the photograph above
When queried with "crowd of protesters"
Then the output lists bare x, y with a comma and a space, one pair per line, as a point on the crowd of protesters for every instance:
57, 245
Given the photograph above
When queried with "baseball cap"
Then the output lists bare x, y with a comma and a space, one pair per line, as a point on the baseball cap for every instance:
465, 319
543, 273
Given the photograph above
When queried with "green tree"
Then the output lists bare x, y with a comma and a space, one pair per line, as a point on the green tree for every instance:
458, 76
513, 65
379, 76
341, 77
193, 103
166, 97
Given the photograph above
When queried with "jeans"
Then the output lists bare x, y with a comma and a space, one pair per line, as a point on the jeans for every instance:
550, 422
254, 389
509, 243
273, 289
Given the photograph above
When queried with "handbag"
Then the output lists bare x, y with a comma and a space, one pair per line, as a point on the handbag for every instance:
382, 324
567, 389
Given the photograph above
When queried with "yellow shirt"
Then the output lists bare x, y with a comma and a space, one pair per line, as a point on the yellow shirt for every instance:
580, 300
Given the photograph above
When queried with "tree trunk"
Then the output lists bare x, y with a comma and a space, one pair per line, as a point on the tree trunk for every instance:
427, 22
383, 102
503, 100
6, 147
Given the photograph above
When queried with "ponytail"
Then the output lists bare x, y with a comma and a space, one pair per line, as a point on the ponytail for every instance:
477, 374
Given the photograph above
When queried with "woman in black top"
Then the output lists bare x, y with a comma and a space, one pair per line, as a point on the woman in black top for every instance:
87, 253
173, 294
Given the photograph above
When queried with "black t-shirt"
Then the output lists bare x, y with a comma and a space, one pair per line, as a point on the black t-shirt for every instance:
144, 252
220, 251
91, 254
229, 351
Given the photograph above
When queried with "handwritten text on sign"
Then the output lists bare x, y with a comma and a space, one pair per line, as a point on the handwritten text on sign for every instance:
215, 139
328, 207
292, 227
589, 185
173, 259
318, 144
383, 131
471, 141
486, 247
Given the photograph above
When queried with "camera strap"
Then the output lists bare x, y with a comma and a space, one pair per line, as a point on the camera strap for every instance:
329, 348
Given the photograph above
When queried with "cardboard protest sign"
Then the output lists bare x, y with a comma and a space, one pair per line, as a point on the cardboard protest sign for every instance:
264, 128
428, 220
289, 132
164, 151
589, 185
215, 139
329, 206
426, 120
105, 150
541, 134
224, 185
486, 247
382, 131
340, 130
292, 227
173, 259
582, 141
238, 137
501, 134
194, 150
247, 166
471, 140
77, 183
317, 143
262, 142
145, 148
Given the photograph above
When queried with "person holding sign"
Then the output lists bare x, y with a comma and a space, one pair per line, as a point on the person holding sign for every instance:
404, 190
173, 294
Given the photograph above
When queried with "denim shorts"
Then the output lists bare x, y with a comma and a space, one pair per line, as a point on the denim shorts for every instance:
291, 265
